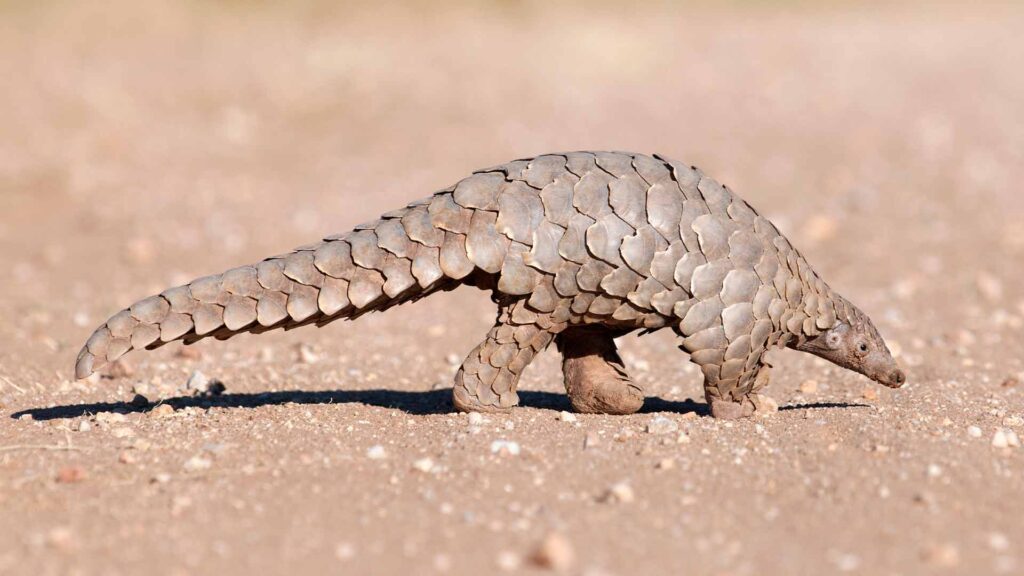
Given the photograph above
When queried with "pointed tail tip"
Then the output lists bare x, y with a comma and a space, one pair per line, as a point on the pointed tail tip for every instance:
84, 365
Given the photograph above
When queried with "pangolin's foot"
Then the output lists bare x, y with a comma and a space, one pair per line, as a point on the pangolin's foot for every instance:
471, 394
463, 402
731, 410
487, 380
595, 378
749, 405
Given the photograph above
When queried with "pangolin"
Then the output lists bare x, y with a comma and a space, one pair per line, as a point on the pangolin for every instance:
576, 249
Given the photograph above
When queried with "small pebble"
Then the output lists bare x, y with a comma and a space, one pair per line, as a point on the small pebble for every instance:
591, 440
661, 425
943, 556
70, 475
505, 448
1004, 438
974, 432
425, 465
554, 552
476, 418
820, 227
619, 493
508, 561
162, 411
344, 551
198, 382
666, 464
809, 386
847, 562
376, 452
84, 426
110, 417
566, 416
934, 471
197, 464
989, 286
998, 541
62, 538
307, 355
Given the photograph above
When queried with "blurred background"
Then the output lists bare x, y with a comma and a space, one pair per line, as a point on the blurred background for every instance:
143, 144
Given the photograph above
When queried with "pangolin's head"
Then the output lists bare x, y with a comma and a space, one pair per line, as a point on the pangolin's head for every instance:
855, 344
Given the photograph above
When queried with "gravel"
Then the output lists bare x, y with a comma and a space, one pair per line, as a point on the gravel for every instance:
892, 164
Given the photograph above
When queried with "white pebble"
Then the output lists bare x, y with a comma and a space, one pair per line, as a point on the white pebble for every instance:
1004, 438
198, 382
110, 417
376, 452
620, 493
998, 541
661, 425
505, 448
84, 426
974, 432
508, 561
847, 562
476, 418
344, 551
934, 471
666, 464
197, 463
566, 416
424, 465
307, 355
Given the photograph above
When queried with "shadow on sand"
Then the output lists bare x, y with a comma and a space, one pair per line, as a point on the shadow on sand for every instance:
426, 402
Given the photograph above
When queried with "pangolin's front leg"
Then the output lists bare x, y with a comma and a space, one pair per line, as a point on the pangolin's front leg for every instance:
487, 380
731, 400
595, 377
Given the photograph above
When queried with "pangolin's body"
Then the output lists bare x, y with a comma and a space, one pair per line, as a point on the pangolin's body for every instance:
576, 248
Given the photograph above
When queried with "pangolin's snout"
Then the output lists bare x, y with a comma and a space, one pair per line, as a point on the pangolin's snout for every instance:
895, 379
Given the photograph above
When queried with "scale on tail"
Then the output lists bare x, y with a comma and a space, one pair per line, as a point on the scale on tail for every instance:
576, 248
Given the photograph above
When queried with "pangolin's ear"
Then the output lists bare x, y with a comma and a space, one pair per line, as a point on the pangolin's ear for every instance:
834, 337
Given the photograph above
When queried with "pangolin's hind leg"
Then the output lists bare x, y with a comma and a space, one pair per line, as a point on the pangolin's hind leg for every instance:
595, 378
487, 380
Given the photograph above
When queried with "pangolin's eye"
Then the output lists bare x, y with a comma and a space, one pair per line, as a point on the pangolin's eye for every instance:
863, 347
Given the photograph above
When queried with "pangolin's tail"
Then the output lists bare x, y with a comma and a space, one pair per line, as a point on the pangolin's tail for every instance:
406, 255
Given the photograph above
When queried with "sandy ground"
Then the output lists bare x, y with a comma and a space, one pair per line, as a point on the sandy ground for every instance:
146, 144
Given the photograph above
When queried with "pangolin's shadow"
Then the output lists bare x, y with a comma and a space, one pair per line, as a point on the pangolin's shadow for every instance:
411, 402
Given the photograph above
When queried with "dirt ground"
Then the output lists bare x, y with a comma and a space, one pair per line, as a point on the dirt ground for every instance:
144, 144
